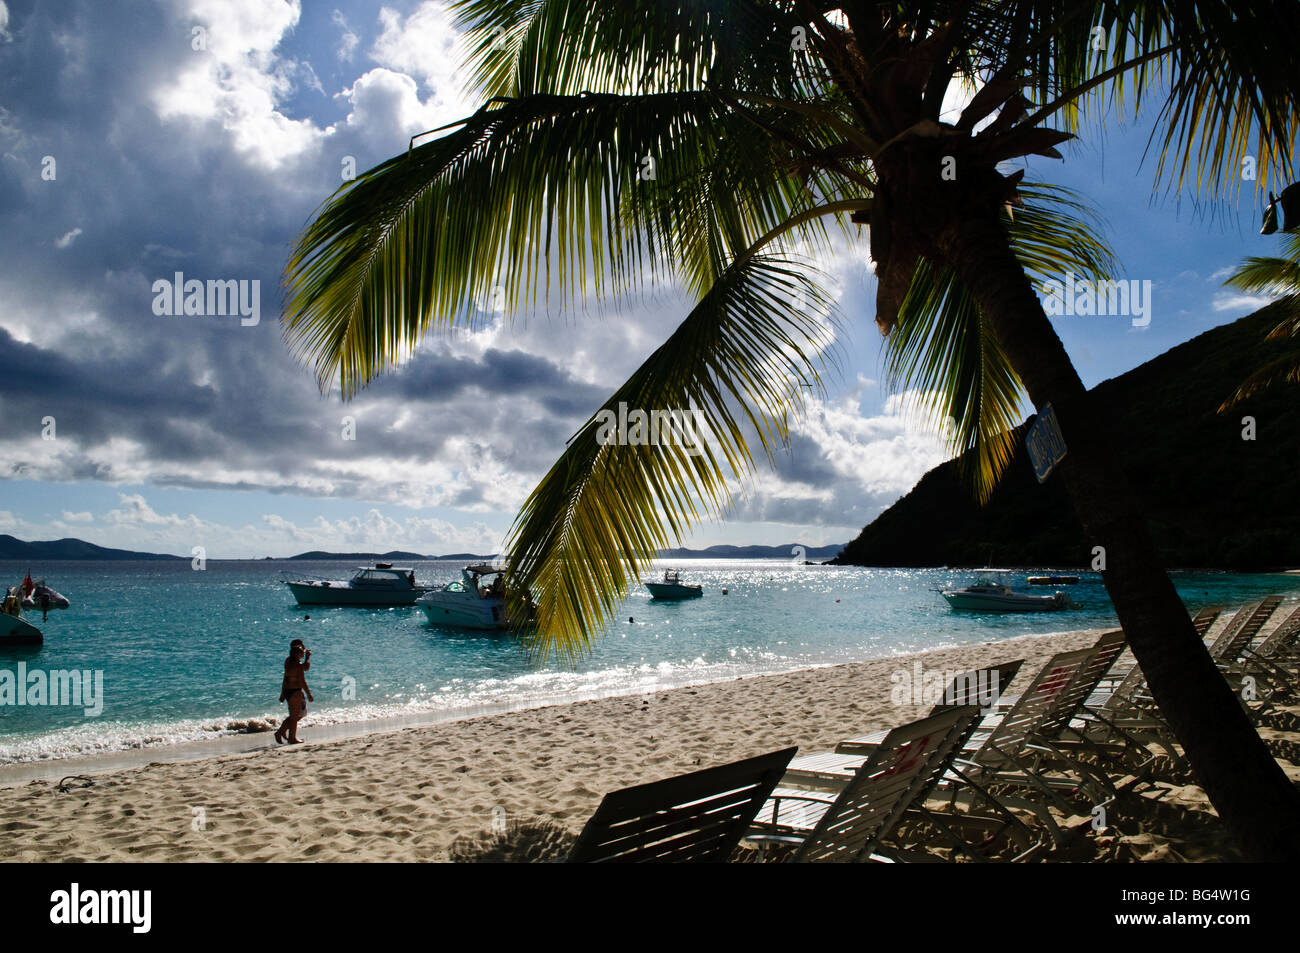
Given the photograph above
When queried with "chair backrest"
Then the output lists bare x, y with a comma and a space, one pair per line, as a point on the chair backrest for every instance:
900, 770
1283, 636
1243, 627
1104, 655
698, 817
1257, 621
977, 686
1205, 618
1037, 704
1235, 624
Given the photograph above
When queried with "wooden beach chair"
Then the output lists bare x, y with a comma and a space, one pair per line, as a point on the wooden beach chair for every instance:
850, 826
1130, 713
1245, 625
1281, 641
696, 817
1009, 749
1271, 661
1205, 618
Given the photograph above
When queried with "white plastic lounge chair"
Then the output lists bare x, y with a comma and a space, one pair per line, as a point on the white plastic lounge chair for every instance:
849, 826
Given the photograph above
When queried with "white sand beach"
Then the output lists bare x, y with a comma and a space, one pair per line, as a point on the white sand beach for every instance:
409, 795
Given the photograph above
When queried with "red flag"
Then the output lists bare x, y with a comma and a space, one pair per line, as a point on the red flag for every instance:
28, 585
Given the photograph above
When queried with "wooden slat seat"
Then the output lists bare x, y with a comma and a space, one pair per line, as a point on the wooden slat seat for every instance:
696, 817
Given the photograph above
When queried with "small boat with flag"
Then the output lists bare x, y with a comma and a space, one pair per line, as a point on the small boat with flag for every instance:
14, 629
672, 589
990, 593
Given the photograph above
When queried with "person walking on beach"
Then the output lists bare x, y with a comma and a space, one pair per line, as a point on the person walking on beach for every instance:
294, 690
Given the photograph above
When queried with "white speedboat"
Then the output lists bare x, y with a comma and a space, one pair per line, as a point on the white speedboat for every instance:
379, 585
477, 600
14, 629
990, 594
673, 589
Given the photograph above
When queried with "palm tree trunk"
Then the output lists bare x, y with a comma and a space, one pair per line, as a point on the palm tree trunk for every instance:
1252, 795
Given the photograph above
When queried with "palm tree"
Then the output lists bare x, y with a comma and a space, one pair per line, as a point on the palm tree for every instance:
1281, 277
728, 143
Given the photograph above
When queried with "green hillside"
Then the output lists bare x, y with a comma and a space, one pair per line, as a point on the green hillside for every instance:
1213, 499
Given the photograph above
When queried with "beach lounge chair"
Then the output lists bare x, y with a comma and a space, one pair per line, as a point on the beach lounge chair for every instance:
1281, 641
1205, 618
849, 826
1129, 712
696, 817
1013, 749
1271, 661
1241, 631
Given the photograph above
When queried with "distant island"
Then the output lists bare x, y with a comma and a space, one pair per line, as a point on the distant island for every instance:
68, 548
1213, 499
787, 551
13, 548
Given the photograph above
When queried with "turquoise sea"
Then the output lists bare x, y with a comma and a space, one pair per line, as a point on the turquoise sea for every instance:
187, 655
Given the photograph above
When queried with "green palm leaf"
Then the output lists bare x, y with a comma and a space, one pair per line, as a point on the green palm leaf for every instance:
1272, 276
944, 353
744, 356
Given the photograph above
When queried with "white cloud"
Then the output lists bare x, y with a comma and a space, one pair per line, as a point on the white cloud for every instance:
83, 517
884, 454
1244, 303
349, 40
426, 46
4, 22
237, 81
383, 100
136, 512
67, 239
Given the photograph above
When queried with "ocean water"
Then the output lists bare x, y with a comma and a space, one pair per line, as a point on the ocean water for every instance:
187, 655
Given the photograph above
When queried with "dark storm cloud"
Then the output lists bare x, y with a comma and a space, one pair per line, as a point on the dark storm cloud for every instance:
152, 197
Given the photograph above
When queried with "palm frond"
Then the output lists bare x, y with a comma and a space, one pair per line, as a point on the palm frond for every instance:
1223, 79
521, 47
744, 357
946, 356
1275, 276
1282, 370
522, 189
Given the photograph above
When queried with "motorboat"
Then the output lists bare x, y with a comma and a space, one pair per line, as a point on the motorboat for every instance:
37, 595
1052, 580
379, 585
673, 589
14, 629
989, 593
477, 600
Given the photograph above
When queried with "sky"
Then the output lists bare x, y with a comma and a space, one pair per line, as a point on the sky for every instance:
143, 138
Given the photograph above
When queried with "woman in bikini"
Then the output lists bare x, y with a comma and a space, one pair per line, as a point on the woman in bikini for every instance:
293, 689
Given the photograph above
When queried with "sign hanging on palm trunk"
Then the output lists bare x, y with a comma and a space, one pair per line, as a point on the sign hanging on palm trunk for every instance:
1045, 442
